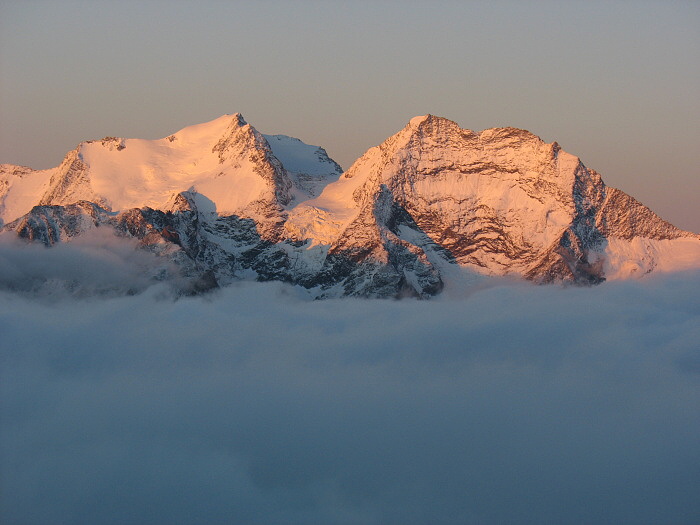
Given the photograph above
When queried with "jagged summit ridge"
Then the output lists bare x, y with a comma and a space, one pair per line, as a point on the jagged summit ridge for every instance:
462, 189
432, 200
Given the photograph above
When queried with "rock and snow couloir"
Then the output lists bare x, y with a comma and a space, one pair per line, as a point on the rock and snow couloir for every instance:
226, 202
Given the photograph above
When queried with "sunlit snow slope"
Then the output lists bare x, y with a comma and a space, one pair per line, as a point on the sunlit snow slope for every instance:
429, 200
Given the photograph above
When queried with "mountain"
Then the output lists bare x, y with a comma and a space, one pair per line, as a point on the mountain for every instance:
431, 204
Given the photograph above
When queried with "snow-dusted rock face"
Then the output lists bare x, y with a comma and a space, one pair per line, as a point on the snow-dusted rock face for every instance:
498, 202
432, 202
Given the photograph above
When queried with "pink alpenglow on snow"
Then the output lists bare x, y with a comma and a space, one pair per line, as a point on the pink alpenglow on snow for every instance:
433, 206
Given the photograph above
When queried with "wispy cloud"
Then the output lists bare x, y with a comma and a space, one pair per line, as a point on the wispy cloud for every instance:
519, 404
98, 263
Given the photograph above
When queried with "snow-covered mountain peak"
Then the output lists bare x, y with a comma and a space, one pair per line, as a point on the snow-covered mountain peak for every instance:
433, 124
431, 202
415, 122
225, 160
432, 127
439, 131
210, 131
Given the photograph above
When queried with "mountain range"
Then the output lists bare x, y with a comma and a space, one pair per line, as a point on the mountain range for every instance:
432, 205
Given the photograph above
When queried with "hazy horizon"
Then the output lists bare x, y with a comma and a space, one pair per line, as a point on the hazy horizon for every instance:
614, 83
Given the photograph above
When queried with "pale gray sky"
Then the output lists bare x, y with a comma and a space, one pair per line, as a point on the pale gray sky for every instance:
616, 83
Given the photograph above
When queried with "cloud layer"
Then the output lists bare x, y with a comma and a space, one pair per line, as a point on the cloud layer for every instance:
517, 404
97, 263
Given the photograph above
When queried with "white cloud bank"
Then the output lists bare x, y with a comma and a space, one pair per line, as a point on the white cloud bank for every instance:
97, 263
518, 404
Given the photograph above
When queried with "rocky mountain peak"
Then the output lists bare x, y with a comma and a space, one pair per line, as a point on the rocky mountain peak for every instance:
433, 125
238, 117
433, 200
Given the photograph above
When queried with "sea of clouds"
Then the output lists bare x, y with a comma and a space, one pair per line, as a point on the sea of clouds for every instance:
122, 404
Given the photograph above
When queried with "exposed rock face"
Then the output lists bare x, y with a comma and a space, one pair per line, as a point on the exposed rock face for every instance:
50, 224
225, 202
71, 183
